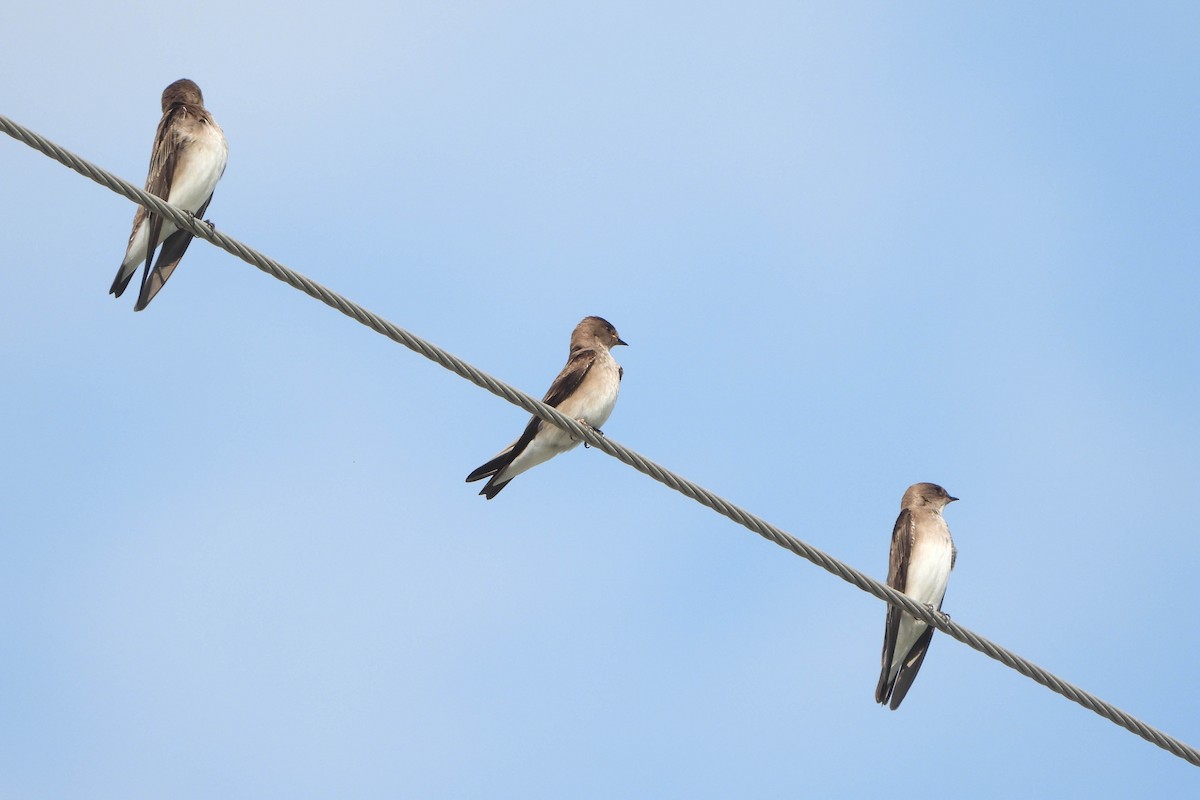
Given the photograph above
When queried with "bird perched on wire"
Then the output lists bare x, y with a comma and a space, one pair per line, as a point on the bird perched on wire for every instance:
585, 390
188, 159
921, 559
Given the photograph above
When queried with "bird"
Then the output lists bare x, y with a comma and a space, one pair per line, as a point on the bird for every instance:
585, 390
922, 557
187, 160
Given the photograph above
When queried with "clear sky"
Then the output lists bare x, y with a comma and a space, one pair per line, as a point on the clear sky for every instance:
852, 246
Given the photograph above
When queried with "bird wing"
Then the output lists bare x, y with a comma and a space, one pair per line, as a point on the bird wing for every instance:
572, 375
902, 541
163, 159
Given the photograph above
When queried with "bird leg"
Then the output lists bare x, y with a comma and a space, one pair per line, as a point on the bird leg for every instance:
591, 428
937, 612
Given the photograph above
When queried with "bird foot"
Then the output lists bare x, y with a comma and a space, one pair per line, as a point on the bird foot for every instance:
938, 612
591, 428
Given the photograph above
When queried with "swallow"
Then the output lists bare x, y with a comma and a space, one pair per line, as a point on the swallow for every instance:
922, 557
188, 159
585, 390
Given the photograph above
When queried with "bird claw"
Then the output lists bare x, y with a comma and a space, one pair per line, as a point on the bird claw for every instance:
937, 612
591, 428
207, 222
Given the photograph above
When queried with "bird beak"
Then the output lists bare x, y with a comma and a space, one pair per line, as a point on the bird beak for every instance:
952, 499
621, 341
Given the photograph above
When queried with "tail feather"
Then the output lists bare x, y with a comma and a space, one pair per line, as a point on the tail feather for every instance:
492, 469
173, 248
122, 280
130, 264
491, 488
896, 688
168, 258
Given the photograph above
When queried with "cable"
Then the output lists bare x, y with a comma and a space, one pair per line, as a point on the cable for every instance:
186, 221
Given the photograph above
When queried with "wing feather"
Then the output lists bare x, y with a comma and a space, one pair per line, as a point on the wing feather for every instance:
568, 381
902, 542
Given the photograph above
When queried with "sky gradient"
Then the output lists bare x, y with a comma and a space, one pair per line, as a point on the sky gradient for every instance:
852, 246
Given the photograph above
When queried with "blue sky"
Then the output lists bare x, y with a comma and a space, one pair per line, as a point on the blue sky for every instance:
852, 246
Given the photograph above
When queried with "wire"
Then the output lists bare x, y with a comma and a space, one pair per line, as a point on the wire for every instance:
186, 221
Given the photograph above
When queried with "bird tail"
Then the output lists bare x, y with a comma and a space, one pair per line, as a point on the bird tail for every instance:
168, 258
491, 470
172, 251
124, 275
896, 688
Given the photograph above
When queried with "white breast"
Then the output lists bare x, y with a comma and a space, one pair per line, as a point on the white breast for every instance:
929, 566
200, 167
595, 398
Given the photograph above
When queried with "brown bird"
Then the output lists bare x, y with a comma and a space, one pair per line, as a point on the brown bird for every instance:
188, 159
585, 390
922, 556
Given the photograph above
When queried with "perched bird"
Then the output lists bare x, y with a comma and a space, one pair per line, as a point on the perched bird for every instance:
922, 556
187, 161
585, 390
